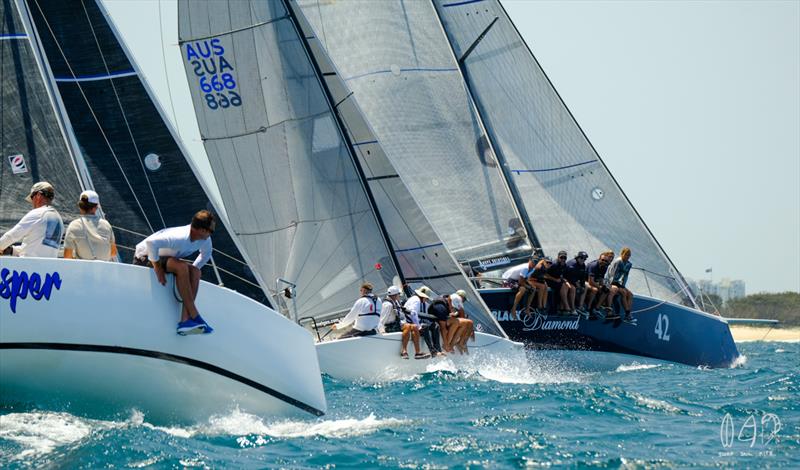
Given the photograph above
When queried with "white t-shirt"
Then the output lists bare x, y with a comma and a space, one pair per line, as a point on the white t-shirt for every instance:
517, 272
365, 314
175, 242
415, 306
39, 231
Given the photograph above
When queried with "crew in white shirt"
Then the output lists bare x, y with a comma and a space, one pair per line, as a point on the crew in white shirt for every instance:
364, 316
415, 305
392, 316
459, 328
163, 251
39, 230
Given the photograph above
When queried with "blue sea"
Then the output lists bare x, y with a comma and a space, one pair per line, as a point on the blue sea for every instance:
569, 409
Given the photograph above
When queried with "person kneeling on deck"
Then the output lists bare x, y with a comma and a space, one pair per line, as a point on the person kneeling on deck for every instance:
163, 251
415, 306
392, 315
363, 316
39, 230
576, 274
462, 327
89, 236
617, 275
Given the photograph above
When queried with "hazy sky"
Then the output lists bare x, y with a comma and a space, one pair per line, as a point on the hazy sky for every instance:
695, 108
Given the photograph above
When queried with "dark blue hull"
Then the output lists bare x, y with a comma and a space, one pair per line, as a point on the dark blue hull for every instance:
663, 331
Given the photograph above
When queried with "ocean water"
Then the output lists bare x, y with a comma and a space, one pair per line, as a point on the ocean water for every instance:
556, 410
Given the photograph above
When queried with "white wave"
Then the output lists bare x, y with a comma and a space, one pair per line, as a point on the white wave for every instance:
40, 433
337, 428
655, 404
739, 361
635, 366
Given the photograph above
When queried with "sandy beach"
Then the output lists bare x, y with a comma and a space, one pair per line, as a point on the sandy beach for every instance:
761, 333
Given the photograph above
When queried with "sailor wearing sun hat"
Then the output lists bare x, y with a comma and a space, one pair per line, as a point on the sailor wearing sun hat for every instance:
39, 230
416, 304
90, 236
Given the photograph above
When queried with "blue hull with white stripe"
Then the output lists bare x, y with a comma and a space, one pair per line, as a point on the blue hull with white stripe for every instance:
663, 331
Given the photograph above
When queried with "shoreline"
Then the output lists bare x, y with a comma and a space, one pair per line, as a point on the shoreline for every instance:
744, 333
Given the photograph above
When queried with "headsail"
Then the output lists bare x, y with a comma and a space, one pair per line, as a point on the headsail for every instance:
144, 180
395, 58
292, 193
573, 201
422, 257
32, 143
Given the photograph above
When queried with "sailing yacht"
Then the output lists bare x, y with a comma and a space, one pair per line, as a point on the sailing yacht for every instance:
99, 337
451, 87
294, 192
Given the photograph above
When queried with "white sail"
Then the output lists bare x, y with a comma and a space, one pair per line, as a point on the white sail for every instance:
395, 58
292, 193
422, 256
571, 198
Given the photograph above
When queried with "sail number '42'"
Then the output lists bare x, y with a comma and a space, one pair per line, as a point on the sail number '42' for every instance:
215, 74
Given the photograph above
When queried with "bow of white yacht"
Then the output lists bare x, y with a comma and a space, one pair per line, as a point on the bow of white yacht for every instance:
92, 335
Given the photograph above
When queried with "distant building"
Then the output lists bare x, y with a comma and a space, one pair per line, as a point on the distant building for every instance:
726, 289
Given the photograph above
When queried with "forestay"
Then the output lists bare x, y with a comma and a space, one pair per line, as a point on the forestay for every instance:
571, 198
395, 58
32, 143
421, 255
290, 187
135, 164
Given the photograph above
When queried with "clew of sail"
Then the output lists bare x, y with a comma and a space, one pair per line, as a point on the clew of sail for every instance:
571, 198
32, 142
395, 59
292, 193
421, 255
135, 164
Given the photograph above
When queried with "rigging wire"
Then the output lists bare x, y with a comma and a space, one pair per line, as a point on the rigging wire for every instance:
94, 116
124, 116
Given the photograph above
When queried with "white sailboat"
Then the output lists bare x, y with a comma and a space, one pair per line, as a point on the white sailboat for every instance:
100, 337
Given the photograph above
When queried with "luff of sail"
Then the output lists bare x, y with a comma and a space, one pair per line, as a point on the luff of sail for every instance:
422, 256
32, 144
573, 201
395, 58
143, 179
291, 191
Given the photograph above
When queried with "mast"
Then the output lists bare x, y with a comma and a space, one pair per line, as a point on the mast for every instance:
509, 184
345, 136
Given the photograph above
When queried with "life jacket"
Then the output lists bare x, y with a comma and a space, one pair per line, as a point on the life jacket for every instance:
440, 309
374, 312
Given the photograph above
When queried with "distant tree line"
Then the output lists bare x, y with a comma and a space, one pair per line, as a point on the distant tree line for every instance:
784, 306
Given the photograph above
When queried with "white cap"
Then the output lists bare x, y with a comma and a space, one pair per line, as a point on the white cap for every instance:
393, 290
462, 293
90, 196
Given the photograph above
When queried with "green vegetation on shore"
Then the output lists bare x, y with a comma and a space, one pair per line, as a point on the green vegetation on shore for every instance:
784, 307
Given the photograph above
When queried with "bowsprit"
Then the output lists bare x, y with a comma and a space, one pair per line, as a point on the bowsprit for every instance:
18, 284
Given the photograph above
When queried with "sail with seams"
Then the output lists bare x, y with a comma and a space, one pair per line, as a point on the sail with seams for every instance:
572, 199
33, 146
395, 59
135, 164
291, 190
421, 255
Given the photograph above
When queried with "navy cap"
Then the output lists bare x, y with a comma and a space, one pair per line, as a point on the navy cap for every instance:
582, 254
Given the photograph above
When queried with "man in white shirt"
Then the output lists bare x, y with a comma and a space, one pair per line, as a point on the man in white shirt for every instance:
392, 316
517, 277
90, 236
415, 305
364, 316
163, 251
39, 230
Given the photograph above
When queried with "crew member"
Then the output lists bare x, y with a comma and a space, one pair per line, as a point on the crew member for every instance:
90, 236
364, 316
39, 230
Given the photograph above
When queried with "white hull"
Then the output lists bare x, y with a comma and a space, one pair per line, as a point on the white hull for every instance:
377, 358
105, 340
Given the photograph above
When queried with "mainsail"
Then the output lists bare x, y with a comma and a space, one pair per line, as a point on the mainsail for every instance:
291, 189
571, 198
395, 58
32, 143
421, 255
135, 164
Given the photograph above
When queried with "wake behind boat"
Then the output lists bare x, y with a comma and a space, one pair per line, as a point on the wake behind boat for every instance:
88, 335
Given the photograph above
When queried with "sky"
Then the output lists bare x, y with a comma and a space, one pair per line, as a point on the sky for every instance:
695, 108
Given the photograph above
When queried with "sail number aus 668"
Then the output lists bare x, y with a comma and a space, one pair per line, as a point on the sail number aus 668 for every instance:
217, 82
